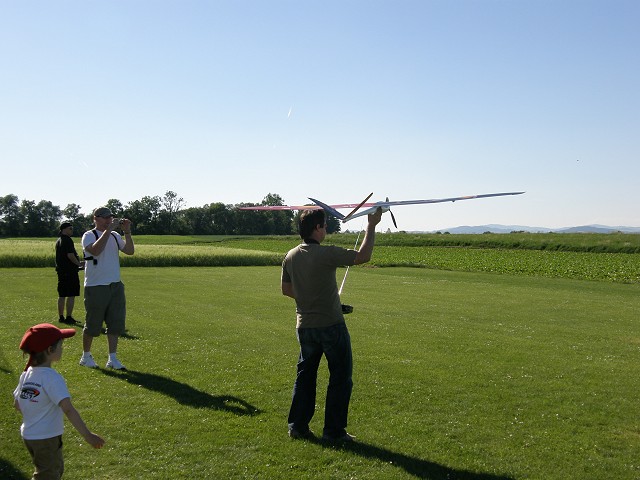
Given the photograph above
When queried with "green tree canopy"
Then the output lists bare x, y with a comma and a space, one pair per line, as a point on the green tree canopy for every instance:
153, 215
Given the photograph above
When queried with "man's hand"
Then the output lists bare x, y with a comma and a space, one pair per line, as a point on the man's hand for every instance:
96, 441
375, 217
126, 225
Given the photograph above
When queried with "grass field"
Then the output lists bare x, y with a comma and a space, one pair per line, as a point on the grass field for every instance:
458, 375
607, 257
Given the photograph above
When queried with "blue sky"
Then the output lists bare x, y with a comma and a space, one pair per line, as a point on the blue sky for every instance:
227, 101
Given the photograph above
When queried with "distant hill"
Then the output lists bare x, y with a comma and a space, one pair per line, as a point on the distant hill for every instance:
520, 228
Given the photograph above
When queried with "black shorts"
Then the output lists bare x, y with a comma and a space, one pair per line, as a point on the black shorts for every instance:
68, 284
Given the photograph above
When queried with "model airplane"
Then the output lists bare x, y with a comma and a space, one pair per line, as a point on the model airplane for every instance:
370, 207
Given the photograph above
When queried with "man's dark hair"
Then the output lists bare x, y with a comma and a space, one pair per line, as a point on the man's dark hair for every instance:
308, 221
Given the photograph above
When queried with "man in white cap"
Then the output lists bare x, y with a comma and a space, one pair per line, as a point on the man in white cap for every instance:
104, 297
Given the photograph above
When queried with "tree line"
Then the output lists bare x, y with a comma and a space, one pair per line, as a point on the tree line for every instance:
152, 215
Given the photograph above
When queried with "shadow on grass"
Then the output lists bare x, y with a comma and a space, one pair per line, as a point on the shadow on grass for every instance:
80, 327
9, 472
128, 336
183, 393
126, 333
417, 467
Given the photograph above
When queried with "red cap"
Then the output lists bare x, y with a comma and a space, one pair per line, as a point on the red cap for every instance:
40, 337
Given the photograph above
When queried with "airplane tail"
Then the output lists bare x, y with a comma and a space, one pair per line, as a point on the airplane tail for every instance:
336, 213
328, 208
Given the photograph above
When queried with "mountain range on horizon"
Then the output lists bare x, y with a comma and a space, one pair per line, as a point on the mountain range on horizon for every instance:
466, 229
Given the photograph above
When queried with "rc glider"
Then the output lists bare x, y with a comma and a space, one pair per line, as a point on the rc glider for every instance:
370, 207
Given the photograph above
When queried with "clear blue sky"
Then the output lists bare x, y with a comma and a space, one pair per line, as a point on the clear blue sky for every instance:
227, 101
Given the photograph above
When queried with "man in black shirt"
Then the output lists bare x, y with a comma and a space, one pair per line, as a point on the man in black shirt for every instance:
67, 265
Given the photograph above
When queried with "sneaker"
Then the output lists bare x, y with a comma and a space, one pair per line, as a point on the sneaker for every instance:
296, 435
346, 438
69, 320
88, 361
115, 364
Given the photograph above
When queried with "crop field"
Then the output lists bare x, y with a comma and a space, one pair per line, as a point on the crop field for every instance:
460, 371
593, 257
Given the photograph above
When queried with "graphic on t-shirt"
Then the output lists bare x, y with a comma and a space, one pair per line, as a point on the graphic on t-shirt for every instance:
29, 393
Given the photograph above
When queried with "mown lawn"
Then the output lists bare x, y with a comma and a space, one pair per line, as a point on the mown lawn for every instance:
457, 375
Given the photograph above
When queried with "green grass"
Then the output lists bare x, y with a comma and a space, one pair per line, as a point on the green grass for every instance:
571, 242
457, 375
581, 259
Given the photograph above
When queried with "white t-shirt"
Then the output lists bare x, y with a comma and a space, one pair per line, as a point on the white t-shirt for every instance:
39, 393
104, 269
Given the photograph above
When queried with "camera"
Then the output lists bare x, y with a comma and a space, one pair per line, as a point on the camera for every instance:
117, 223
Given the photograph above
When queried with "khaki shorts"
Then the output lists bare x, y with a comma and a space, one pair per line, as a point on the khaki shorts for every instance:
105, 304
47, 457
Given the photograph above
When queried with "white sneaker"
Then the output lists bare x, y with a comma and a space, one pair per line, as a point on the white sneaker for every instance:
88, 361
115, 364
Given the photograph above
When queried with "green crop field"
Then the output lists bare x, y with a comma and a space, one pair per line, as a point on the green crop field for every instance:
611, 257
461, 372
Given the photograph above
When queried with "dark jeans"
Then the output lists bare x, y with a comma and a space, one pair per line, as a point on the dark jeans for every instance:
335, 343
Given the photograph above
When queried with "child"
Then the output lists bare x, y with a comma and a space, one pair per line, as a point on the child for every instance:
42, 396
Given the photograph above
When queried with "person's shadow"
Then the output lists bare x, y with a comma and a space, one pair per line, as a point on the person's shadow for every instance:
80, 326
417, 467
183, 393
9, 472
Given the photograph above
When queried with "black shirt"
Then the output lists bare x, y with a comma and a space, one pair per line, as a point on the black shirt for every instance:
64, 245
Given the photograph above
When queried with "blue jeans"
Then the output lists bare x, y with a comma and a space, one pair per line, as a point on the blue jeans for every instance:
335, 343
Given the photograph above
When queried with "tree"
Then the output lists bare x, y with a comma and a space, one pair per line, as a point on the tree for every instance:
222, 218
39, 220
72, 213
10, 219
50, 215
333, 224
194, 222
153, 215
115, 206
144, 214
172, 205
30, 218
272, 199
247, 222
276, 222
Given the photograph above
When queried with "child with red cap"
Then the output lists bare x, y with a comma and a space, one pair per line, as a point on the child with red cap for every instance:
42, 397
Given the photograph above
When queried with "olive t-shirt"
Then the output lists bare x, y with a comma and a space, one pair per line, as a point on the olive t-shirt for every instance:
311, 269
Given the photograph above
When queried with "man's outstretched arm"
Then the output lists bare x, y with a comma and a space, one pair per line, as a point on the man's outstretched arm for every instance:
366, 249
